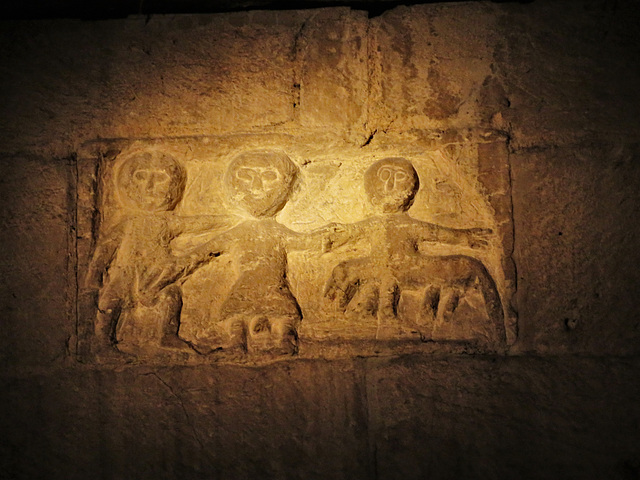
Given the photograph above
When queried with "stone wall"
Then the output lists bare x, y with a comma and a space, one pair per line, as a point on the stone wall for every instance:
530, 107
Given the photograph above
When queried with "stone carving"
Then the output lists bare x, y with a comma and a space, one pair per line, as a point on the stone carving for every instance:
400, 261
288, 244
260, 312
138, 277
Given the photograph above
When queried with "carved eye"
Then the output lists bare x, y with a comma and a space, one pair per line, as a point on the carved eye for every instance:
141, 176
400, 176
160, 177
270, 175
245, 174
384, 174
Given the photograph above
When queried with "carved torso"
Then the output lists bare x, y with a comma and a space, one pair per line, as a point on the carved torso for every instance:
262, 287
145, 243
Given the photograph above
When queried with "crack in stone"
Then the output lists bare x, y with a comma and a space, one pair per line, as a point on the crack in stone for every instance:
369, 139
294, 60
73, 250
513, 234
181, 403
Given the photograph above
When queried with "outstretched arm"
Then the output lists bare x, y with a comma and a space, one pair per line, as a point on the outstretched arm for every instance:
106, 247
470, 237
327, 238
201, 223
158, 277
195, 258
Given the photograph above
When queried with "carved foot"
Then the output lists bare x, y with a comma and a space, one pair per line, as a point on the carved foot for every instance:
108, 353
173, 342
284, 336
287, 346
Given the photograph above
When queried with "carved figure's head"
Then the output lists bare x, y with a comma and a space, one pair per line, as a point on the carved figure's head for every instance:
392, 184
261, 181
151, 181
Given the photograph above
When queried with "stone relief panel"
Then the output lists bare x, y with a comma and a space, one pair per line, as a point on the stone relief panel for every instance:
229, 249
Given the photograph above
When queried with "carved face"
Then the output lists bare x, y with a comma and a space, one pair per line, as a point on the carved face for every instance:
261, 182
151, 181
392, 184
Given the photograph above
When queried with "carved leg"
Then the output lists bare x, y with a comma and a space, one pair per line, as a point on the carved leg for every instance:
449, 300
470, 271
388, 324
389, 298
109, 310
342, 285
465, 272
348, 279
170, 306
492, 303
105, 327
446, 307
431, 302
429, 311
369, 299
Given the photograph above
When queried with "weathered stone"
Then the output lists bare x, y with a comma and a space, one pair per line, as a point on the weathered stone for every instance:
405, 418
568, 76
205, 422
332, 72
287, 145
583, 207
169, 76
534, 418
37, 286
414, 265
432, 67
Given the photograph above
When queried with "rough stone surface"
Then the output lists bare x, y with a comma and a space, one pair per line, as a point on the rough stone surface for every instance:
521, 118
569, 77
583, 206
259, 249
433, 68
37, 282
402, 418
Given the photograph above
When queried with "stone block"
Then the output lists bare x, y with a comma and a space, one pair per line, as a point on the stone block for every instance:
528, 418
432, 67
568, 77
332, 71
201, 423
67, 82
37, 238
577, 208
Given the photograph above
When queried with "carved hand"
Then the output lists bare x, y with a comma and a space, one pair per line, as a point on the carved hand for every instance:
337, 282
345, 281
337, 235
477, 237
153, 279
334, 232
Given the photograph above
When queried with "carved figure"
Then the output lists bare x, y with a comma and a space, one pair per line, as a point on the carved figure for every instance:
140, 299
374, 284
260, 311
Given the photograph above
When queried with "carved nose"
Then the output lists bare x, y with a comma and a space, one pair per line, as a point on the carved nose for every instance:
390, 184
256, 183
